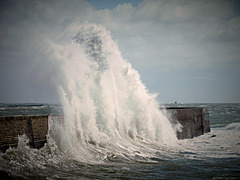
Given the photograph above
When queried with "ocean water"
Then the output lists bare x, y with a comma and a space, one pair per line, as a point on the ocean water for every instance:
215, 155
113, 128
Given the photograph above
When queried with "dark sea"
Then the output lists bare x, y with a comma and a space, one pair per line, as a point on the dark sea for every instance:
215, 155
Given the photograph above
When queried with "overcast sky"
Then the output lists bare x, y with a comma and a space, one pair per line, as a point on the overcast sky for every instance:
185, 50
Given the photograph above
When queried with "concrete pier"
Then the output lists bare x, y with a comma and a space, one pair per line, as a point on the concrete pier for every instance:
194, 121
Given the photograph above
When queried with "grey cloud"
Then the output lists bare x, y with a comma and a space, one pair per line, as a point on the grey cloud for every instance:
158, 36
185, 11
196, 27
24, 26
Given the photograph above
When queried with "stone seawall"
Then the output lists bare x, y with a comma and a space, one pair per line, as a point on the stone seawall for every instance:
35, 128
194, 121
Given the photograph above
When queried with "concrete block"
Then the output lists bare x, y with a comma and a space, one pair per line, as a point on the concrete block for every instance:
194, 120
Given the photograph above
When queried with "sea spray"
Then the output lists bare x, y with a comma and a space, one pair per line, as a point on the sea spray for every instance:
108, 111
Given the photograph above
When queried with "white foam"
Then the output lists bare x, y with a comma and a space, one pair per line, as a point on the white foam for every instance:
221, 142
107, 109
